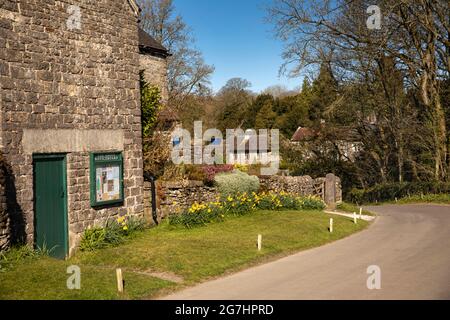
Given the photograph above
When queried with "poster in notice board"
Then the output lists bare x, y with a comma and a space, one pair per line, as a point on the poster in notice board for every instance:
108, 183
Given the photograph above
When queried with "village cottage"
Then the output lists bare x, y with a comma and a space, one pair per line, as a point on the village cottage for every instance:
70, 139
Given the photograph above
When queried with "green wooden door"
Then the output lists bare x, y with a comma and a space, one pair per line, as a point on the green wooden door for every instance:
50, 209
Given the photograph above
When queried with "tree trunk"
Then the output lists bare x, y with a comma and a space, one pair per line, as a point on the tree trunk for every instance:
400, 159
431, 99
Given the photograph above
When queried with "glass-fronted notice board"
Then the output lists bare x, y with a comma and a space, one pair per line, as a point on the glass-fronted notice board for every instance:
106, 178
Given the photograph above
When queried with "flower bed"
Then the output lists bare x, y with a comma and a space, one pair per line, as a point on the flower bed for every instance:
203, 213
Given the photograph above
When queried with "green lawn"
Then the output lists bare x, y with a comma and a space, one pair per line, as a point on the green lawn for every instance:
427, 198
195, 255
350, 208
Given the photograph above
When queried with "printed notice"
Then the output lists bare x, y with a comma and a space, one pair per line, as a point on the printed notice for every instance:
108, 183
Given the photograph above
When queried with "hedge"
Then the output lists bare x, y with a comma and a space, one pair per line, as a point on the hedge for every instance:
391, 191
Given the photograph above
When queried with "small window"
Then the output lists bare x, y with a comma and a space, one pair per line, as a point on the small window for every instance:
176, 141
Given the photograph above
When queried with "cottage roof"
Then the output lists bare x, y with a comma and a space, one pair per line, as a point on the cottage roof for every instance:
148, 44
303, 134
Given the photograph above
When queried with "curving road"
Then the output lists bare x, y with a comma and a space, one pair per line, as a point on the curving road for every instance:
410, 244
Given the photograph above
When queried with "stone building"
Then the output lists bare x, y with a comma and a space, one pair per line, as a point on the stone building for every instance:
70, 117
153, 60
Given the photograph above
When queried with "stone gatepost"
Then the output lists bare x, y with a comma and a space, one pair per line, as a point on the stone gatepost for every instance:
330, 192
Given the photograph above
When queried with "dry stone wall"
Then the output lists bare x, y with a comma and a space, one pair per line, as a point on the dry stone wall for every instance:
175, 196
4, 219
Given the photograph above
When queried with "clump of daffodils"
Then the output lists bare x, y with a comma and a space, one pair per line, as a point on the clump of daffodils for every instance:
240, 204
122, 221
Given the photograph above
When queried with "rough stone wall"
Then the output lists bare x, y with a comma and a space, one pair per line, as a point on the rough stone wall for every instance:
176, 196
155, 73
4, 219
302, 185
305, 185
56, 78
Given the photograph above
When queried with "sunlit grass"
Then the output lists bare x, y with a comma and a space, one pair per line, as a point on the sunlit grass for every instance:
195, 255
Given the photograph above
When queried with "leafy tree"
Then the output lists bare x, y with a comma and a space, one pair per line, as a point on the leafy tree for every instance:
255, 107
233, 100
293, 112
323, 94
266, 117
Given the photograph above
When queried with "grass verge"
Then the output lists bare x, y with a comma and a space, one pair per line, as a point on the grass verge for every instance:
427, 198
195, 255
350, 208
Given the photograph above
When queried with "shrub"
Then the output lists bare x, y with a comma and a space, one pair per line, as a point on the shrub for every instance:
210, 172
194, 172
198, 214
240, 204
390, 191
202, 214
312, 203
20, 253
92, 239
236, 183
113, 234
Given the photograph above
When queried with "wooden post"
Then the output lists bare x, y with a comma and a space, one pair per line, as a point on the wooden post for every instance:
331, 225
354, 217
119, 280
259, 243
360, 212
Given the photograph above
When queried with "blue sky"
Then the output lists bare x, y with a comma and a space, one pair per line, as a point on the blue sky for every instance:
233, 37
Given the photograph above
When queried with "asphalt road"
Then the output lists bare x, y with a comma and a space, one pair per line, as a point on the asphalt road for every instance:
410, 244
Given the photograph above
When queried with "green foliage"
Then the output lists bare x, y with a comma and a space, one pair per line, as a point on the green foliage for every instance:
242, 204
92, 239
195, 255
350, 207
390, 191
427, 198
194, 172
114, 233
284, 113
150, 105
312, 203
266, 117
236, 183
20, 253
198, 215
324, 92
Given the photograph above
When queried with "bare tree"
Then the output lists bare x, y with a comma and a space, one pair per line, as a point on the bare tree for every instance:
415, 33
187, 71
